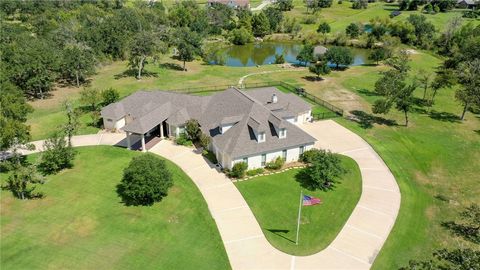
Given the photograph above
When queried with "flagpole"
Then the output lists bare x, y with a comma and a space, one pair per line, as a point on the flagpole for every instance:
299, 215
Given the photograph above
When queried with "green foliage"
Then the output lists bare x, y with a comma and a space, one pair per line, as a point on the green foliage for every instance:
241, 36
444, 5
323, 28
319, 68
284, 5
279, 59
144, 44
276, 164
424, 30
274, 16
13, 115
360, 4
23, 180
183, 140
339, 56
254, 172
145, 181
353, 30
324, 170
109, 96
458, 259
192, 130
469, 92
260, 25
72, 124
308, 156
204, 140
378, 54
189, 45
78, 62
238, 170
57, 155
306, 54
91, 97
316, 5
210, 156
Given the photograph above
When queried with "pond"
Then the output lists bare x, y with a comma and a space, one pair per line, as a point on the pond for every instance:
263, 53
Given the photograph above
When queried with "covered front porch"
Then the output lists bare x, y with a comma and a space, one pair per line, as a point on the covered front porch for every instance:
145, 141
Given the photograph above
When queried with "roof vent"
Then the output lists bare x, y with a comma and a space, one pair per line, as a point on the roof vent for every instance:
274, 98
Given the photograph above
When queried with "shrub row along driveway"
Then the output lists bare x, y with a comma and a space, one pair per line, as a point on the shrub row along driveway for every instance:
355, 247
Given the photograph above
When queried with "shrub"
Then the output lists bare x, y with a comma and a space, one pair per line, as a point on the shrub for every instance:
360, 4
325, 167
109, 96
57, 155
238, 170
192, 130
279, 59
310, 20
146, 180
275, 164
204, 140
254, 172
308, 155
241, 36
210, 156
183, 140
353, 30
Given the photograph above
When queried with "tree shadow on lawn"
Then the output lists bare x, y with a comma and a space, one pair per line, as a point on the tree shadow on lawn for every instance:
468, 233
444, 116
368, 93
366, 120
305, 181
133, 73
313, 78
171, 66
280, 232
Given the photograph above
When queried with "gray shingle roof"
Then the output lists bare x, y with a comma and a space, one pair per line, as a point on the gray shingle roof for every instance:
248, 111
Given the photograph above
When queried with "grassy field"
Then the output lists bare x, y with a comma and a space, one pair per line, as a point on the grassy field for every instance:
274, 200
341, 15
81, 223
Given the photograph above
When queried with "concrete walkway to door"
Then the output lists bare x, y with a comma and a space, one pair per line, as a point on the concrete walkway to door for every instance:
357, 244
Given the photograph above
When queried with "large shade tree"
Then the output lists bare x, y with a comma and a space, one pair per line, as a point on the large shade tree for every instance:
143, 45
469, 78
339, 56
78, 61
13, 115
188, 44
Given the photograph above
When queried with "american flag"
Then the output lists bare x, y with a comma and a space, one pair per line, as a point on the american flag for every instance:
307, 200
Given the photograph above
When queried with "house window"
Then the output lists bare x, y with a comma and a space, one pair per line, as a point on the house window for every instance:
284, 154
264, 159
109, 120
261, 137
283, 133
302, 149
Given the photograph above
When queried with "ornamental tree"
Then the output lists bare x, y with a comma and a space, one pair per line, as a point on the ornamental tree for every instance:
145, 181
339, 56
324, 170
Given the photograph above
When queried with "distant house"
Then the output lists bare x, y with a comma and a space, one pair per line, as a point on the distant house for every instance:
472, 4
319, 51
253, 126
231, 3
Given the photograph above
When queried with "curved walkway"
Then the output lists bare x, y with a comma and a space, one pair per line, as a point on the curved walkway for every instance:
355, 247
242, 79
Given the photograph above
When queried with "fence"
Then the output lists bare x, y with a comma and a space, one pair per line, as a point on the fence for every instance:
332, 112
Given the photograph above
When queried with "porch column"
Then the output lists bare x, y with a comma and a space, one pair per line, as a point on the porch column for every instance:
161, 130
143, 143
129, 145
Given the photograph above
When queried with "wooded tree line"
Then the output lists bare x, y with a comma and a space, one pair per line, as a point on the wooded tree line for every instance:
48, 42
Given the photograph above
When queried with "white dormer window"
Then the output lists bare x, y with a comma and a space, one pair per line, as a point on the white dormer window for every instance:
261, 137
282, 133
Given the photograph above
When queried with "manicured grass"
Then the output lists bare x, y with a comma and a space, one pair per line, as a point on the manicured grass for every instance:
274, 200
81, 223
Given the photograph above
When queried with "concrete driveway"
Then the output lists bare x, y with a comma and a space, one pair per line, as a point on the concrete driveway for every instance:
355, 247
357, 244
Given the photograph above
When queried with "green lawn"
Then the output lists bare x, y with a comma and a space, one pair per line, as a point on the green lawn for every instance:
274, 200
339, 16
81, 223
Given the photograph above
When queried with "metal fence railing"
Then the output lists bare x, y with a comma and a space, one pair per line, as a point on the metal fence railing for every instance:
333, 111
